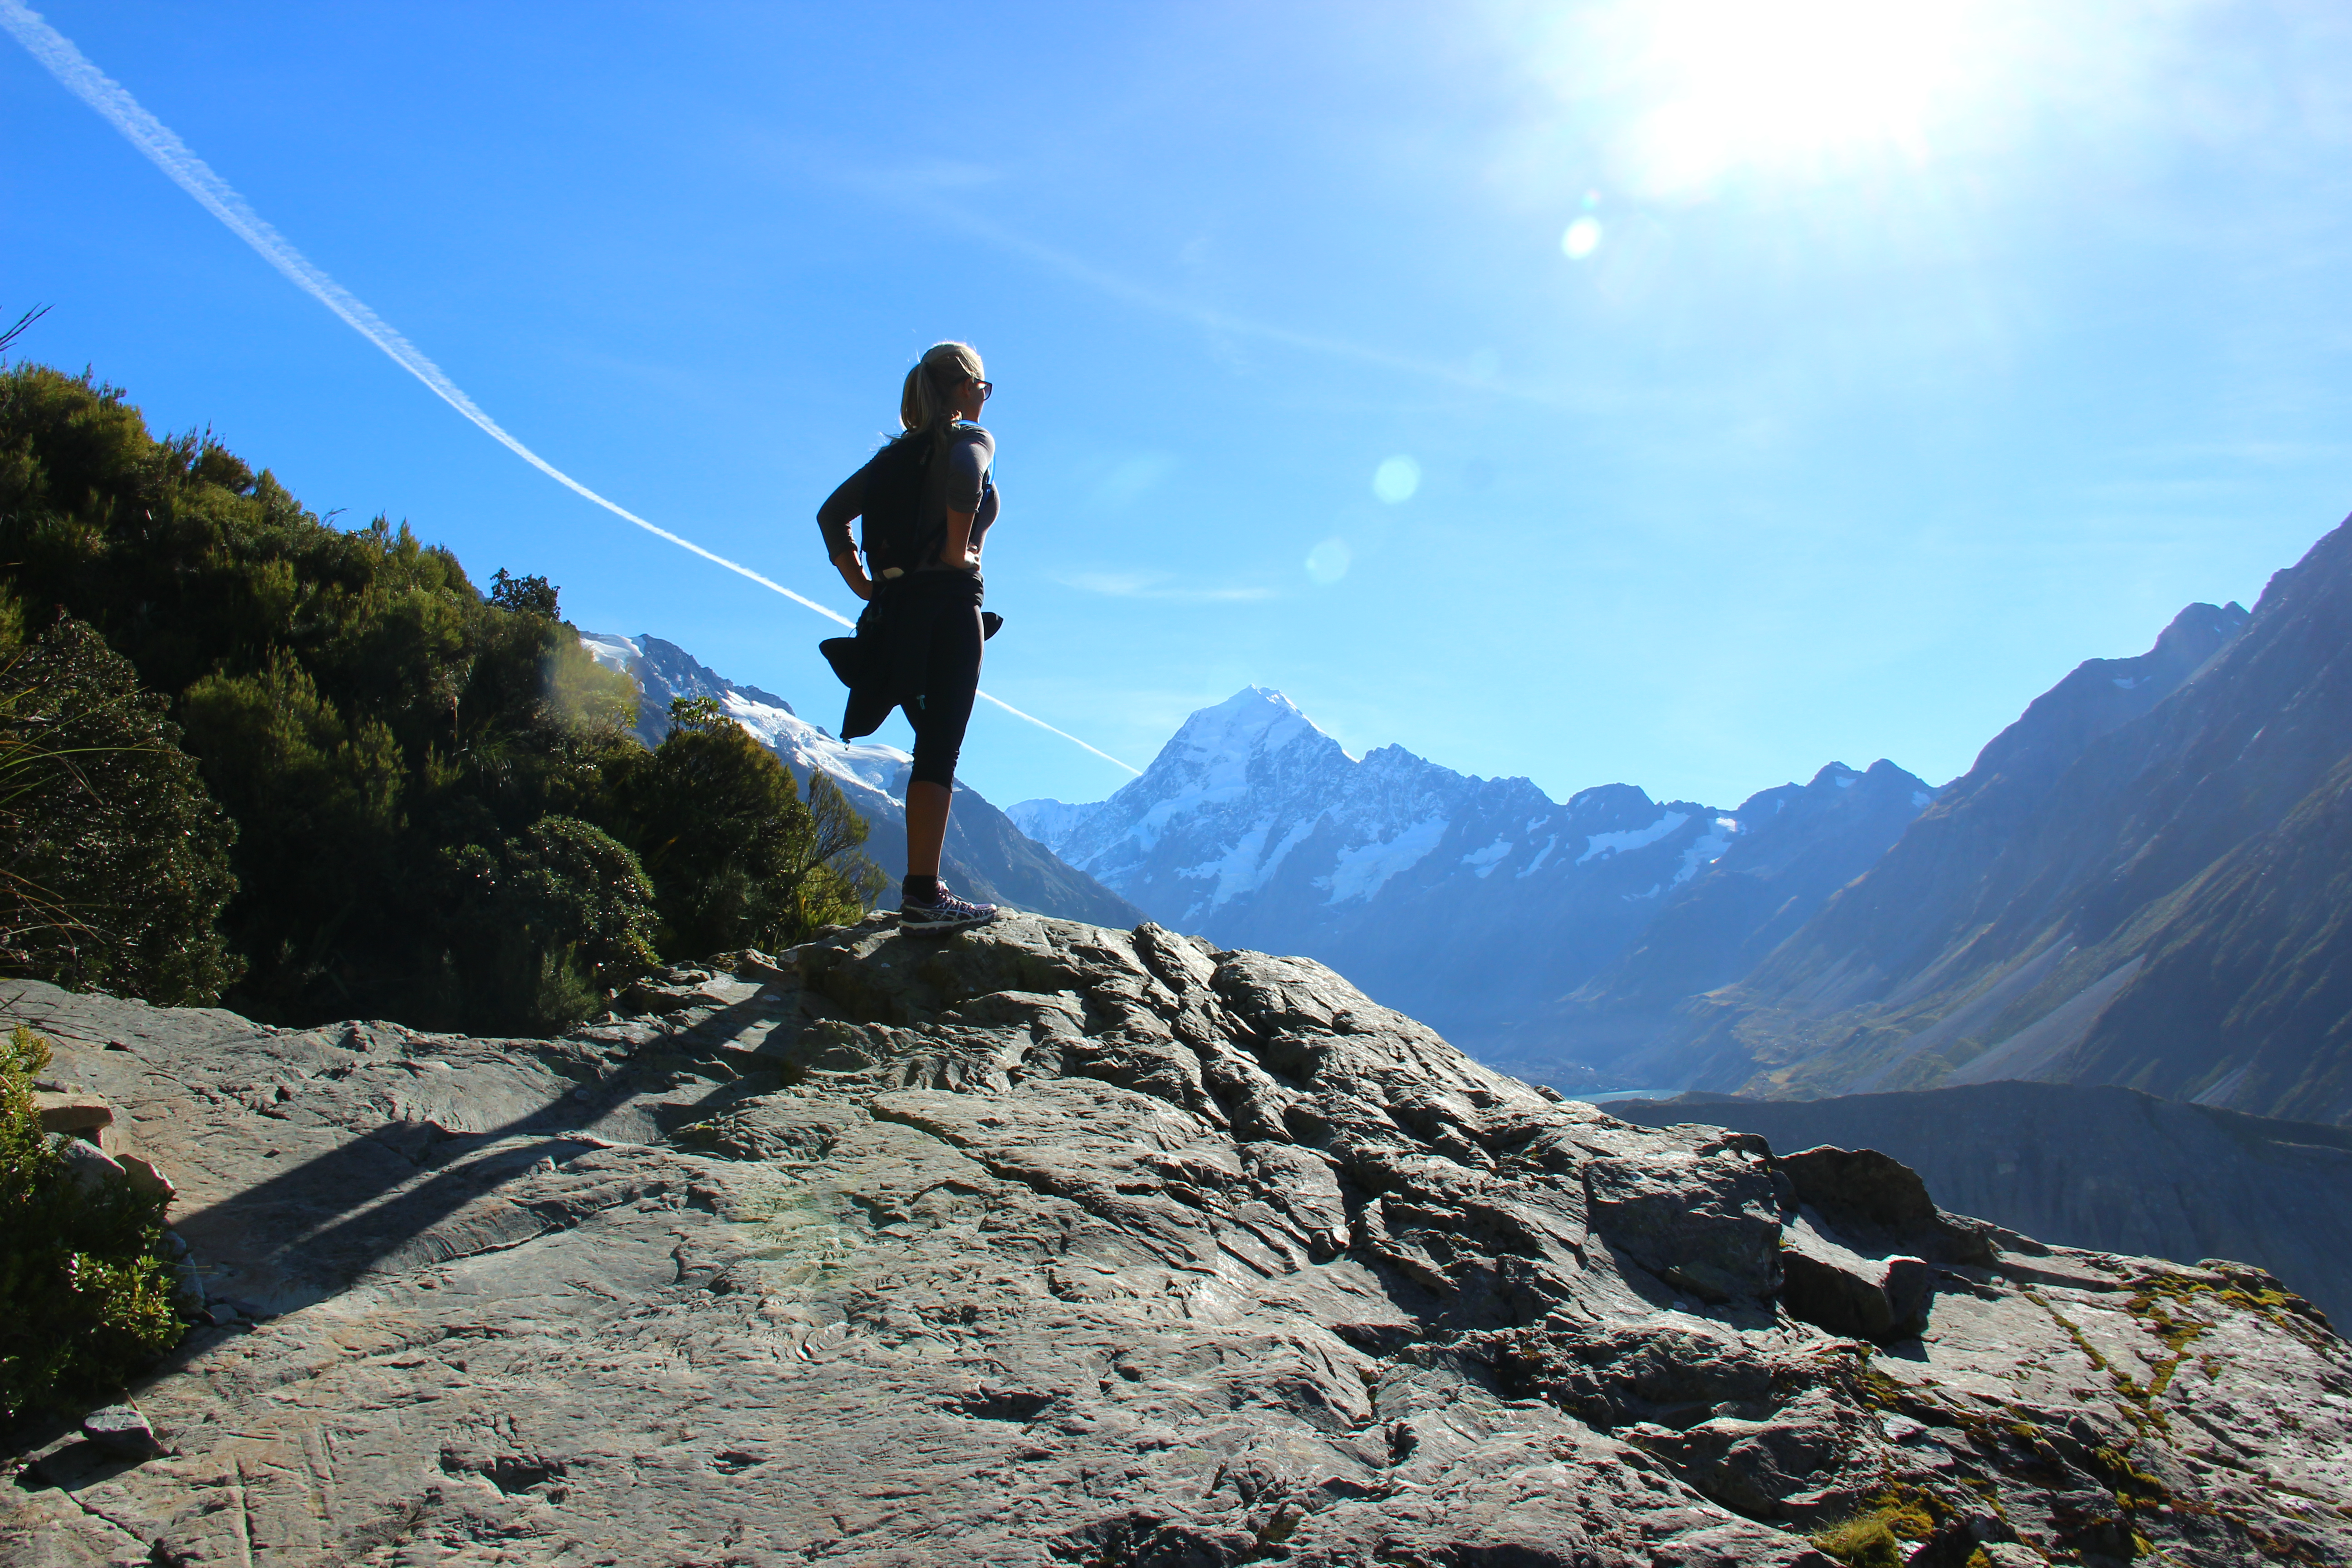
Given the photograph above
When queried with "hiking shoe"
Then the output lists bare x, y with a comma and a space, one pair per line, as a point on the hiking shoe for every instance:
947, 912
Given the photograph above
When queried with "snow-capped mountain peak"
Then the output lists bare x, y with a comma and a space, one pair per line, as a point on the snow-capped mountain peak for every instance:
1258, 829
1252, 721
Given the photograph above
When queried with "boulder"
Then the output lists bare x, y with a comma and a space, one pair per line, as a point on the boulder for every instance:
1837, 1289
73, 1111
145, 1175
86, 1165
1880, 1205
121, 1431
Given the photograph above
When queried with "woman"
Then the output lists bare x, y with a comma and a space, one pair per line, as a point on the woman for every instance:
928, 502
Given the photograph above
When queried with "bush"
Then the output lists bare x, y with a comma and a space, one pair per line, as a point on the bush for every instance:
1875, 1539
358, 708
113, 858
556, 916
736, 859
86, 1292
435, 800
1864, 1543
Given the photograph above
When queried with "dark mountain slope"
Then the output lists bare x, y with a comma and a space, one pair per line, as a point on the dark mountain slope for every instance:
2159, 910
1983, 846
2247, 995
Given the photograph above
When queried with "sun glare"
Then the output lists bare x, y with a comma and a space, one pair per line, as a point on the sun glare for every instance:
1790, 83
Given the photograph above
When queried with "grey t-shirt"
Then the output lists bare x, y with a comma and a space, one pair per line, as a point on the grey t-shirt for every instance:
962, 483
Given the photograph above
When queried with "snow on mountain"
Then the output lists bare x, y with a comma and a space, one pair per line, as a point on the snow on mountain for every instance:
1474, 903
1050, 822
1755, 877
987, 857
665, 671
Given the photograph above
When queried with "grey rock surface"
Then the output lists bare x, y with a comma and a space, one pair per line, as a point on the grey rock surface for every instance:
1046, 1244
67, 1110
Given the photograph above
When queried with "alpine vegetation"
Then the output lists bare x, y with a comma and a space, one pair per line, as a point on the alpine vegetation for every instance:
428, 798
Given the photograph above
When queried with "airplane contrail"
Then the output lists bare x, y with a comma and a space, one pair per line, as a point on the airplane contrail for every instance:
164, 149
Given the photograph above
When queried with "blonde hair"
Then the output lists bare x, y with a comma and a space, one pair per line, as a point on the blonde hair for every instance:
927, 403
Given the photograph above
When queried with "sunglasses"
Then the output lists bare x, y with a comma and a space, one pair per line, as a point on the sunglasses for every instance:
987, 388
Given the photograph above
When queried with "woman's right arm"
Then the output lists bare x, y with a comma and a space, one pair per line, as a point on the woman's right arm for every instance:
970, 500
833, 519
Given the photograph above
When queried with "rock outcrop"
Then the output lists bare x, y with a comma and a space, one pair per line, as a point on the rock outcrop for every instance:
1054, 1244
2109, 1169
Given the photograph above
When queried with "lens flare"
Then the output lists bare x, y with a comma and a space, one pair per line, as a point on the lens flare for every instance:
1582, 238
1328, 562
1396, 480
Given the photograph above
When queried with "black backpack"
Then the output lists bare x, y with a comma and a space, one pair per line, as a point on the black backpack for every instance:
895, 482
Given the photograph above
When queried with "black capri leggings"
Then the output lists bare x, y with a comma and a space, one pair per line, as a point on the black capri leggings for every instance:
947, 615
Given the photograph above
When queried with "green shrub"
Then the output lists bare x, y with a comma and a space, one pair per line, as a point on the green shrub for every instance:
1864, 1542
357, 708
399, 753
113, 858
736, 859
555, 917
86, 1292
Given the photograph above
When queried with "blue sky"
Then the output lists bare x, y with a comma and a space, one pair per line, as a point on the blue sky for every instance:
1774, 382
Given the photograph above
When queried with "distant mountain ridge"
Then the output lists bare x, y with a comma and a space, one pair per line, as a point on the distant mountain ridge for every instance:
987, 857
1801, 843
1479, 904
2143, 882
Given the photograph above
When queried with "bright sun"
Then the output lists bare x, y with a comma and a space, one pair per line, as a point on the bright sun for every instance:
1786, 83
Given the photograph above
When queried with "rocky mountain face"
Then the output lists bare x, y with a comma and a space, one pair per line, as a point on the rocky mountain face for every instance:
1796, 845
1047, 1244
1480, 904
2141, 883
987, 857
2105, 1168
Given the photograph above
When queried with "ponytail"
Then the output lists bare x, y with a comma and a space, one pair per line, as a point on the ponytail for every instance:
926, 403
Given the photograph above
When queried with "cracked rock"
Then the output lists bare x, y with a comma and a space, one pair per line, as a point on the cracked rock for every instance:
1043, 1245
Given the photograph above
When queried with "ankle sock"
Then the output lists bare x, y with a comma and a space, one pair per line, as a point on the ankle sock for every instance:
914, 890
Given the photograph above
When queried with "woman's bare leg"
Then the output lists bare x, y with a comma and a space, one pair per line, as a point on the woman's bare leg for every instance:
927, 827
